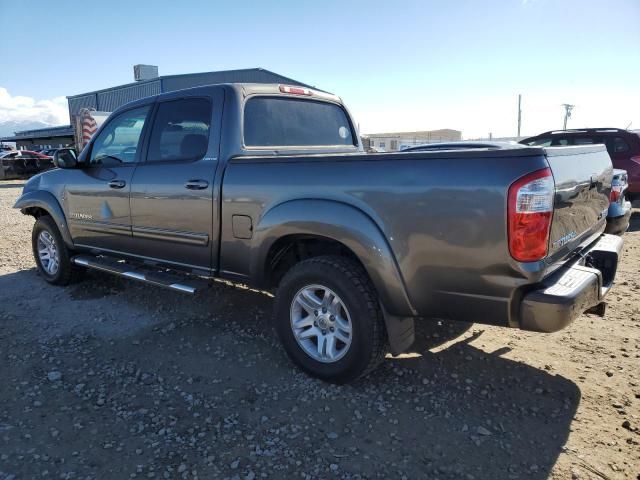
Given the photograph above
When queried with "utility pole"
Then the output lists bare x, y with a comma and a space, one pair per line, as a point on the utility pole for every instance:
519, 113
567, 113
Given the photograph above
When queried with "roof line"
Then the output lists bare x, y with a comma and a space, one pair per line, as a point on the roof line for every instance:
162, 77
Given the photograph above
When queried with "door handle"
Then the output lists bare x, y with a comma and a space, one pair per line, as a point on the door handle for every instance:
196, 185
117, 183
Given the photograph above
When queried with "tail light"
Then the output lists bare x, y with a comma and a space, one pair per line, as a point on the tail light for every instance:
616, 192
529, 212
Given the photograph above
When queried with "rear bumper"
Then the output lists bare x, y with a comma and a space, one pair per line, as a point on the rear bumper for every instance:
568, 292
618, 224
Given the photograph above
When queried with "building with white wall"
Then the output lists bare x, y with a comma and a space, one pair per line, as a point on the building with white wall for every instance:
392, 142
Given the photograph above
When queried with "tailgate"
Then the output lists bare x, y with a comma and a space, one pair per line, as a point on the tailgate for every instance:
582, 177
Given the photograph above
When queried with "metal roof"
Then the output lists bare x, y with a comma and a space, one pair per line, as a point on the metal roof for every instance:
49, 132
216, 77
108, 99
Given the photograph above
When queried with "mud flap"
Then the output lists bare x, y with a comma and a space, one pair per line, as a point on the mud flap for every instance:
400, 332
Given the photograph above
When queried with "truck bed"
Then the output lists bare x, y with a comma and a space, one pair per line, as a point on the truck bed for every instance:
442, 213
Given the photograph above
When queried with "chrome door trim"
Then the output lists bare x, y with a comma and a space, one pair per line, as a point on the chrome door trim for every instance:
175, 236
101, 227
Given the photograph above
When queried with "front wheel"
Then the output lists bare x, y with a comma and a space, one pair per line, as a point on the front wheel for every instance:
329, 320
50, 252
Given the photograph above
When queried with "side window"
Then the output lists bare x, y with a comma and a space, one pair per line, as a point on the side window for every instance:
616, 145
560, 142
540, 142
181, 130
585, 141
119, 141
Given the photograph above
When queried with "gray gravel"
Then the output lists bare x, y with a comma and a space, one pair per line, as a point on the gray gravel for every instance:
110, 379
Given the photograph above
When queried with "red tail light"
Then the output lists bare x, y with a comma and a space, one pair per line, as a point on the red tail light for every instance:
614, 196
529, 212
295, 90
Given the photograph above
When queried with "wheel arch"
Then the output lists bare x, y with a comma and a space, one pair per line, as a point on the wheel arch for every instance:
38, 203
342, 228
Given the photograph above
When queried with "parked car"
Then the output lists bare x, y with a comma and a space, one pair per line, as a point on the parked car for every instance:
623, 147
619, 213
268, 185
461, 145
17, 163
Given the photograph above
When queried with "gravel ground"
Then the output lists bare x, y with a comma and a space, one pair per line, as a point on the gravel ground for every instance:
109, 378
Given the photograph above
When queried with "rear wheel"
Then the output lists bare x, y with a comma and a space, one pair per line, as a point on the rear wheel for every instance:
329, 320
52, 257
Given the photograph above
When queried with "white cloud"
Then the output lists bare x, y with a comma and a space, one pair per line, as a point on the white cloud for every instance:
27, 109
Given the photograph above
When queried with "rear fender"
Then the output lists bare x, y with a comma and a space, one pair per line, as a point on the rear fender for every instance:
46, 201
353, 229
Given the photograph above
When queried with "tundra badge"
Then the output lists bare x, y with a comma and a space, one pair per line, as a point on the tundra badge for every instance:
562, 241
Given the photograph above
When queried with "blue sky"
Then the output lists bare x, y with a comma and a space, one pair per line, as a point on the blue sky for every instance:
402, 65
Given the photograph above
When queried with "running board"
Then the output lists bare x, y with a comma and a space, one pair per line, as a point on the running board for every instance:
159, 279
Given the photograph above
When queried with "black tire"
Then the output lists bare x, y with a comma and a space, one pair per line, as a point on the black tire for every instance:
66, 270
351, 283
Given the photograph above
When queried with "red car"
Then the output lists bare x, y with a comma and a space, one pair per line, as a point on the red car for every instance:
16, 163
623, 147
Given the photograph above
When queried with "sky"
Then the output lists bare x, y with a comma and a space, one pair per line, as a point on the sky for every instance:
398, 66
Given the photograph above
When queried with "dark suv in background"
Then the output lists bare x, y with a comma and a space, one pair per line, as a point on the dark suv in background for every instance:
623, 147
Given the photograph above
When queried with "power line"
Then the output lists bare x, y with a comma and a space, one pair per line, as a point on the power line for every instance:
519, 113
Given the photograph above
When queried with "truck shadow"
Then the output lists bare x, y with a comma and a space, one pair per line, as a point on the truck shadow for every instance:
10, 185
634, 222
454, 412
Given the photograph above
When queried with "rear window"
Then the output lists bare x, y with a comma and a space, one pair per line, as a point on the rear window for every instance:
288, 122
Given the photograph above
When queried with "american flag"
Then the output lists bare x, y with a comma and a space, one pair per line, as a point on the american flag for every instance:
89, 125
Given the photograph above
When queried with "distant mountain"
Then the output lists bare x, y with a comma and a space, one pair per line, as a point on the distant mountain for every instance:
7, 128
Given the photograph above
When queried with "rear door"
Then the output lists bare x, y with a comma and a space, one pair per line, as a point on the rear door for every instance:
173, 196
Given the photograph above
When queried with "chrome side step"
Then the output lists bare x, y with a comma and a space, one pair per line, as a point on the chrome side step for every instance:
159, 279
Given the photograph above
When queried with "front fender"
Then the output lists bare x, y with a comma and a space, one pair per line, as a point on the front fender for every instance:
46, 201
342, 223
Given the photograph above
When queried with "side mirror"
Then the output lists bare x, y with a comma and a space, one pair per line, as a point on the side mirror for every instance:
65, 158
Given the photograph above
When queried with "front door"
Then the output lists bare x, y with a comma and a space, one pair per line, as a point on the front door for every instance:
172, 193
96, 196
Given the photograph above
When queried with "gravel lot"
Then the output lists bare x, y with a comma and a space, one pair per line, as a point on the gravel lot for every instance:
109, 378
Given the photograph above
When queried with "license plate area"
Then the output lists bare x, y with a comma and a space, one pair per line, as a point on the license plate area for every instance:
604, 256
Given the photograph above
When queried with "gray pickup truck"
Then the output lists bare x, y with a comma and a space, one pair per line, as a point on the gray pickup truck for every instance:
268, 185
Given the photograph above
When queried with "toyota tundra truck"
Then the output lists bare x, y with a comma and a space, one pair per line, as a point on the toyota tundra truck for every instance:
269, 186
